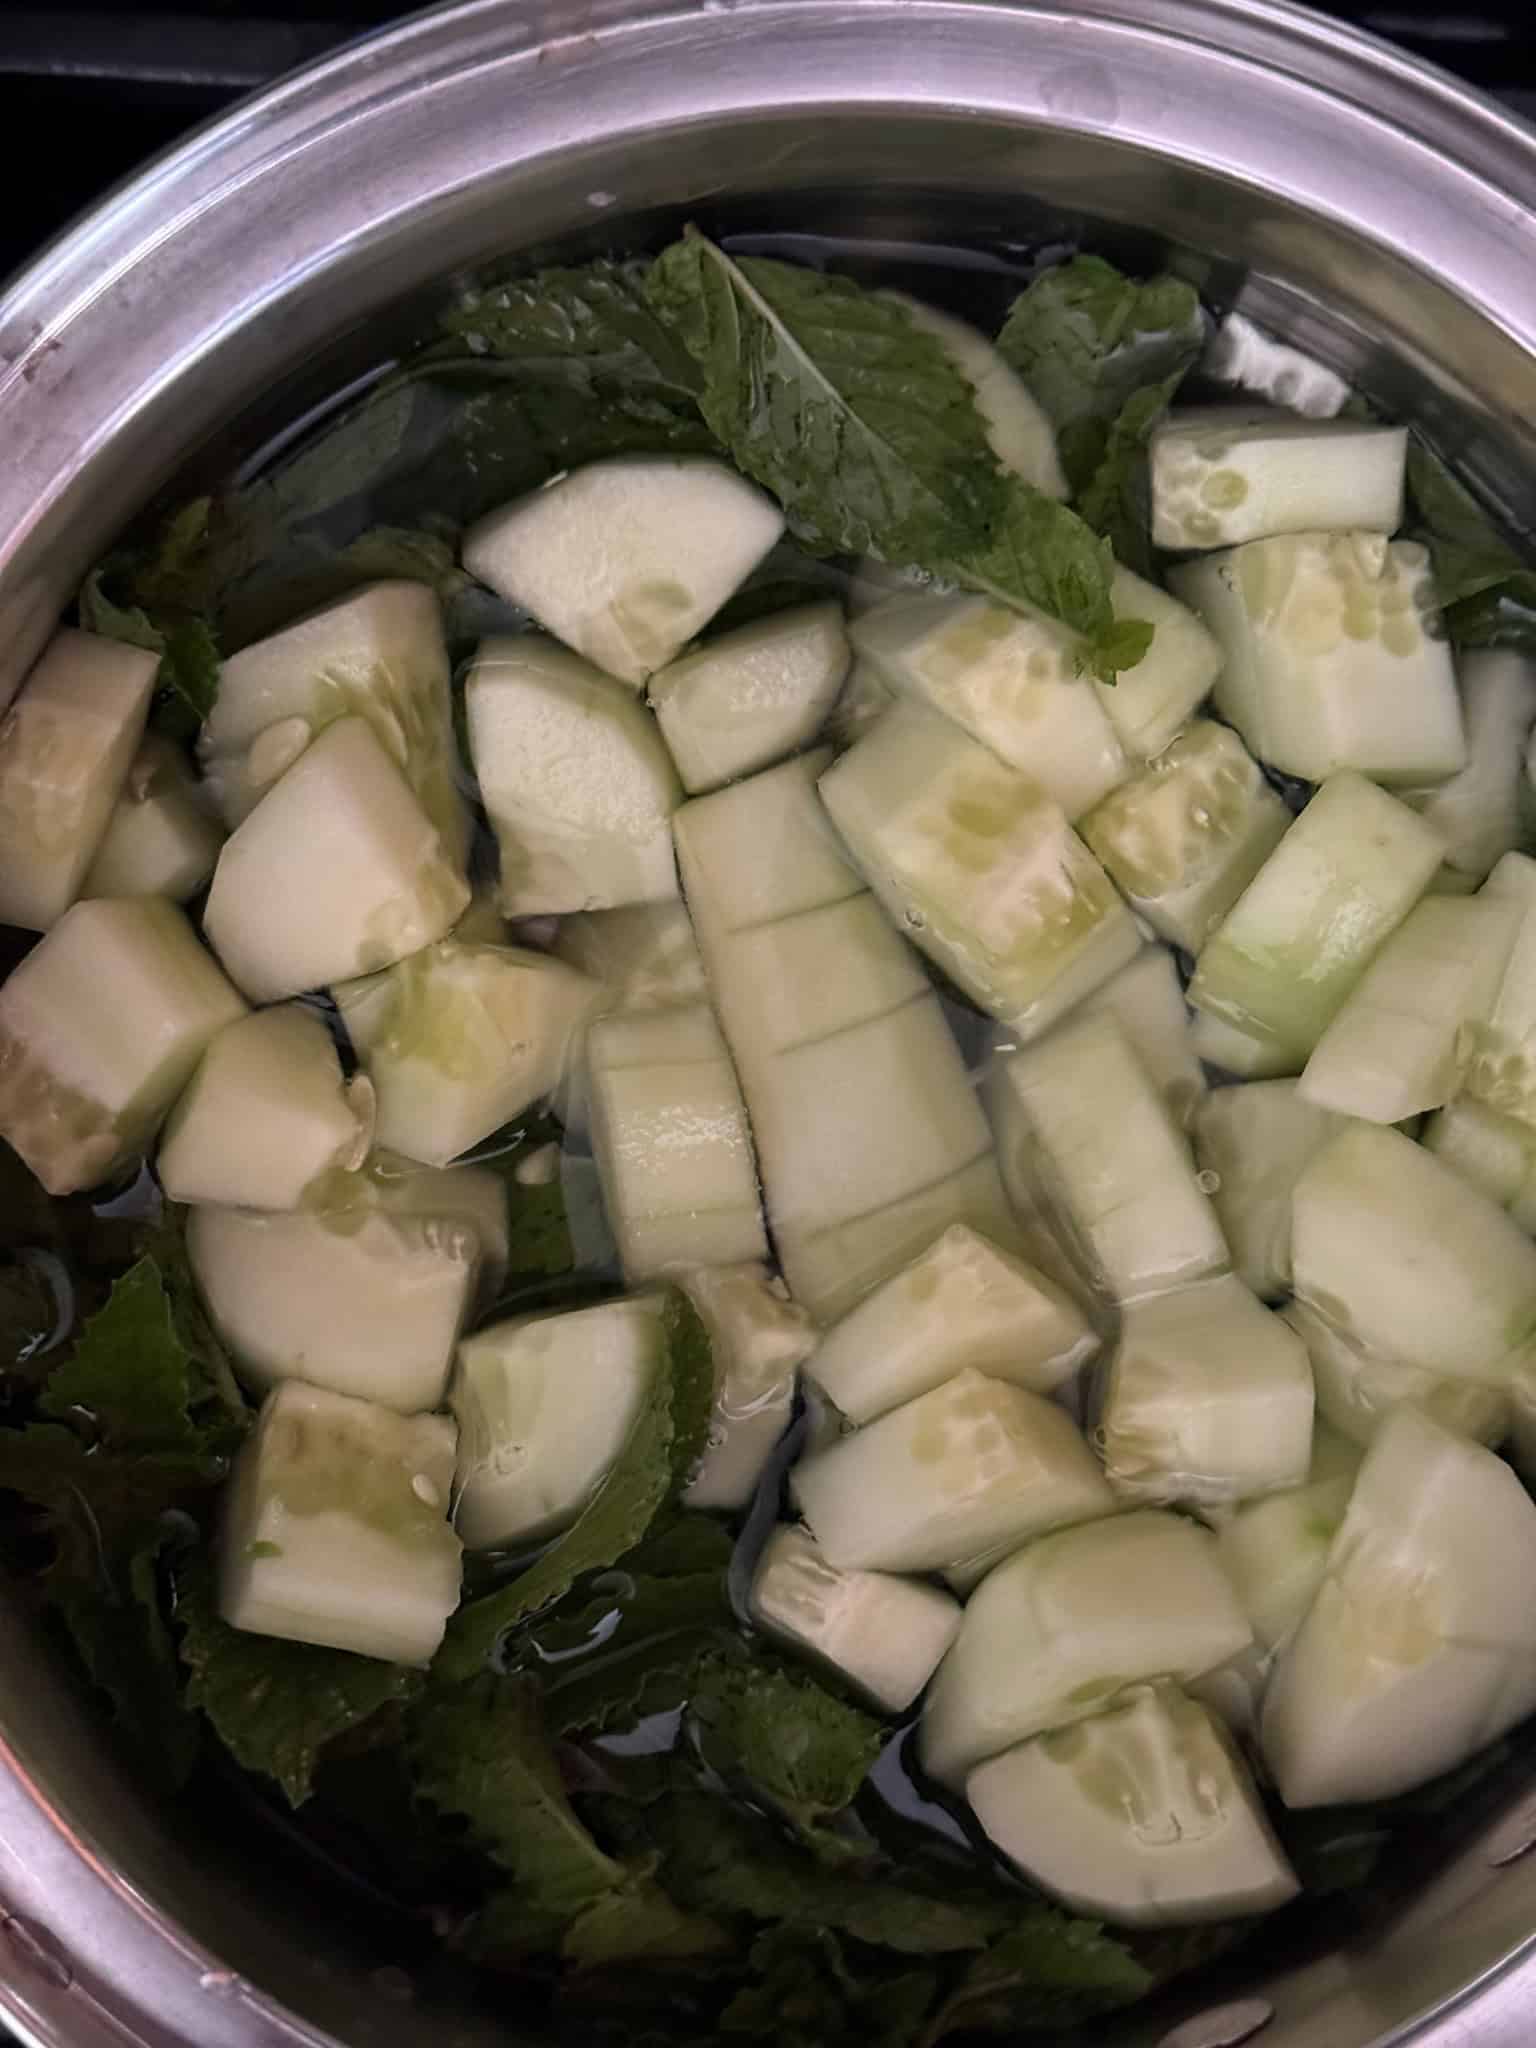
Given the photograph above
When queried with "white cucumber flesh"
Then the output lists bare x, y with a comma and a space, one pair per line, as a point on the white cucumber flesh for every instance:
483, 924
1058, 1630
544, 1405
1150, 703
1145, 1817
1357, 1390
1484, 812
377, 654
1254, 1141
337, 872
1491, 1150
1333, 657
645, 955
1146, 1000
974, 1463
1184, 837
1208, 1401
1239, 1053
626, 560
577, 781
759, 1339
1275, 1550
1223, 474
1400, 1254
745, 700
979, 868
882, 1634
335, 1527
459, 1039
1501, 1067
963, 1302
1399, 1042
864, 697
1009, 679
1298, 939
475, 1196
160, 839
66, 745
1416, 1650
101, 1026
1017, 426
266, 1117
670, 1136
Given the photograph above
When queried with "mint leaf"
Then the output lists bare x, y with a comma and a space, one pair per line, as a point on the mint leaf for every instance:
309, 572
130, 1374
122, 1638
625, 1652
1049, 1969
1487, 593
808, 1995
1116, 500
28, 1315
160, 597
681, 1546
664, 1444
639, 1923
832, 399
590, 329
275, 1705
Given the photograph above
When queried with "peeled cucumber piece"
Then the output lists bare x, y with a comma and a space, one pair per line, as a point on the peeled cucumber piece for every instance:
267, 1116
1061, 1628
1009, 679
65, 748
1095, 1139
626, 560
1296, 942
645, 955
1417, 1650
475, 1196
1145, 1816
1501, 1065
962, 1303
1398, 1253
1255, 1140
1357, 1391
335, 1527
1223, 1045
1185, 836
1492, 1151
881, 1634
101, 1026
337, 872
457, 1040
974, 1463
863, 698
830, 1021
1146, 1000
982, 871
1018, 428
1483, 812
758, 1339
544, 1404
1275, 1550
1149, 704
1222, 474
1399, 1042
377, 654
670, 1136
160, 839
1333, 655
1208, 1401
745, 700
577, 781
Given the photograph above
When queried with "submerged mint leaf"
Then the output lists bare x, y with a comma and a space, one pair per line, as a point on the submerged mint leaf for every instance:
310, 572
123, 1640
590, 329
626, 1651
810, 1992
160, 597
1486, 591
131, 1372
1116, 501
1049, 1969
639, 1923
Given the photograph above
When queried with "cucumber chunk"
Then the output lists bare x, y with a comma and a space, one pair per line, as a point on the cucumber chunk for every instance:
458, 1040
160, 840
1209, 1400
544, 1404
670, 1136
1149, 704
65, 748
335, 1527
745, 700
101, 1026
1302, 933
759, 1339
1256, 1140
982, 871
1018, 429
337, 872
1399, 1041
1417, 1649
1009, 679
962, 1303
1401, 1255
976, 1462
578, 784
626, 560
472, 1195
483, 924
1146, 1000
1094, 1138
1275, 1550
266, 1117
1222, 474
645, 955
1059, 1630
1222, 1045
1145, 1817
1501, 1067
378, 654
1483, 812
1333, 659
1492, 1151
883, 1635
1185, 837
862, 699
1357, 1391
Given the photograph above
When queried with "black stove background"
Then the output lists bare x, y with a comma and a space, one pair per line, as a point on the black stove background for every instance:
112, 83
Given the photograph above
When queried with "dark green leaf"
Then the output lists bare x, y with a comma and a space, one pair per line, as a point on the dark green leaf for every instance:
627, 1651
682, 1546
28, 1314
130, 1373
590, 329
1116, 499
309, 572
161, 597
801, 1750
1488, 593
808, 1991
639, 1923
120, 1632
1047, 1970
